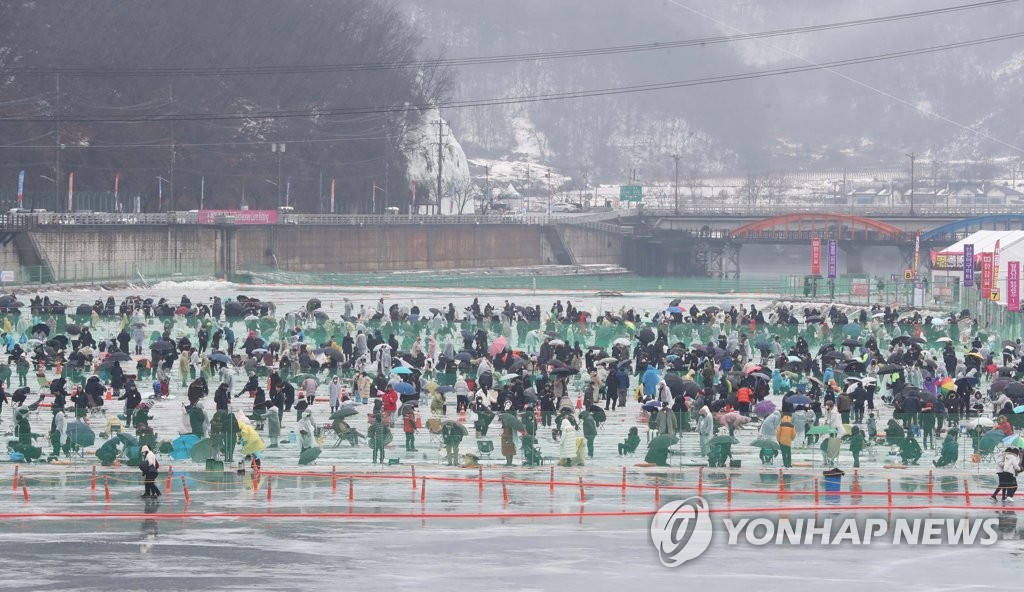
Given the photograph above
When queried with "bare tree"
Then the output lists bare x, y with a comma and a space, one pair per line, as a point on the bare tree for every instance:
694, 182
463, 192
752, 188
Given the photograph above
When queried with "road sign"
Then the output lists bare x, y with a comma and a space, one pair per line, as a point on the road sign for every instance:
6, 276
908, 274
633, 193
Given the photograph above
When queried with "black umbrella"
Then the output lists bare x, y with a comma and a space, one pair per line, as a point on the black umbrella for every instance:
1014, 389
312, 304
851, 343
834, 355
162, 346
41, 328
854, 367
435, 311
890, 368
646, 335
511, 421
72, 329
902, 339
564, 372
118, 357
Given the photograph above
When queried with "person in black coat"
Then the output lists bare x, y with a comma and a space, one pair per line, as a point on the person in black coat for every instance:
197, 390
221, 397
131, 397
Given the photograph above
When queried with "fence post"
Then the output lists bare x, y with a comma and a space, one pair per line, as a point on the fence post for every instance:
816, 497
700, 482
106, 489
15, 486
583, 495
967, 494
334, 478
24, 488
931, 484
184, 490
351, 490
657, 490
413, 478
888, 488
728, 495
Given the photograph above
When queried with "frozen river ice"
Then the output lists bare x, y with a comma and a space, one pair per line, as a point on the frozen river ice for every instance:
390, 546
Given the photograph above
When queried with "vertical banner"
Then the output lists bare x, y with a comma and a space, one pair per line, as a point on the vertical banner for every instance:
288, 192
138, 204
21, 189
1013, 286
117, 184
986, 275
833, 256
332, 196
815, 256
995, 268
968, 266
71, 192
917, 253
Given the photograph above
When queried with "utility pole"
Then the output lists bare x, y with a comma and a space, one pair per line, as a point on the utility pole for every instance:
675, 157
321, 200
440, 159
56, 186
387, 158
202, 192
170, 182
487, 184
912, 158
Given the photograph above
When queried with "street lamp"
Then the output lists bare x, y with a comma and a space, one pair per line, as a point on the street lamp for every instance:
54, 181
912, 158
160, 192
278, 149
675, 157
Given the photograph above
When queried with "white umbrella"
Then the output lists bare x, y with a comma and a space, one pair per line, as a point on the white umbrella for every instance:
621, 341
982, 421
944, 340
381, 346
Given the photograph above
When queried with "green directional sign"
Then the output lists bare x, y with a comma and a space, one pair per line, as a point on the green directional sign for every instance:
633, 193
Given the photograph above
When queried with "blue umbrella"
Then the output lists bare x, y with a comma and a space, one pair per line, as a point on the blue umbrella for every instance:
671, 357
401, 370
404, 388
182, 445
652, 406
853, 330
799, 400
674, 310
219, 357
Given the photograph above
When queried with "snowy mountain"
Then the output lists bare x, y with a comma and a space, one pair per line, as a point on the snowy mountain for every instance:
955, 105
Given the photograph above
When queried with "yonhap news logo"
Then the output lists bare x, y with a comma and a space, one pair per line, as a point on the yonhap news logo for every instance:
682, 531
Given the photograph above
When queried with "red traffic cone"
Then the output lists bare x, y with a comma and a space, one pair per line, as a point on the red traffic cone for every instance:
579, 402
419, 423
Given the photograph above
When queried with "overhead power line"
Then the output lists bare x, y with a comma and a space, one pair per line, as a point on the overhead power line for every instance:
463, 104
480, 60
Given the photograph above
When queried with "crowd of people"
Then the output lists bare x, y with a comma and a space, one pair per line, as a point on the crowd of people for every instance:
813, 377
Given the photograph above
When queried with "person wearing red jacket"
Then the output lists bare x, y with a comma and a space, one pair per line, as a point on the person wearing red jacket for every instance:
390, 399
743, 400
409, 425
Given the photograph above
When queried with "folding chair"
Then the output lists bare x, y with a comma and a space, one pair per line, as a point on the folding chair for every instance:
485, 447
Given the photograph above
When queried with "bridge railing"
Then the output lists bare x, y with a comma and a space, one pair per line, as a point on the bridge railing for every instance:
712, 210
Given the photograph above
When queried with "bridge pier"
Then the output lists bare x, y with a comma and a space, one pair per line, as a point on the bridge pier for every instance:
722, 260
853, 254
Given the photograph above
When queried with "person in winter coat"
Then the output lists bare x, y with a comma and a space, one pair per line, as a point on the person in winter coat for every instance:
589, 430
856, 445
131, 397
832, 418
390, 401
950, 451
409, 427
508, 445
437, 406
451, 435
1007, 466
150, 468
705, 428
334, 389
743, 397
786, 434
273, 425
631, 443
567, 444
